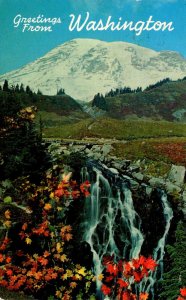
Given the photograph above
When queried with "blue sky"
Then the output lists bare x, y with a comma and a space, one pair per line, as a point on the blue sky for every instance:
18, 48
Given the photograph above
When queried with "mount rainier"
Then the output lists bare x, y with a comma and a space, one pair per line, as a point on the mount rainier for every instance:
84, 67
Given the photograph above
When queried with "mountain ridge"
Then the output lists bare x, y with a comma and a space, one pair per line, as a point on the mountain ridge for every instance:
84, 67
163, 102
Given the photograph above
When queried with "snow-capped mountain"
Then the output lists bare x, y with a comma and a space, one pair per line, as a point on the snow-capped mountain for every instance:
84, 67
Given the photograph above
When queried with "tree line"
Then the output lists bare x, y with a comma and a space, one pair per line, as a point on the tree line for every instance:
99, 99
21, 89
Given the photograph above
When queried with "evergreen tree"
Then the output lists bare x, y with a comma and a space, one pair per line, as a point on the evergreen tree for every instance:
17, 88
99, 101
61, 92
5, 86
28, 90
39, 92
21, 149
22, 90
175, 277
138, 90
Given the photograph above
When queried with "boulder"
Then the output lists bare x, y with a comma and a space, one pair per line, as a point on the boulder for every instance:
133, 168
106, 149
177, 174
157, 182
172, 188
114, 171
139, 176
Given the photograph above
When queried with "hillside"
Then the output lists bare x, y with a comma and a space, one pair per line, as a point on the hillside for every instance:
167, 102
52, 109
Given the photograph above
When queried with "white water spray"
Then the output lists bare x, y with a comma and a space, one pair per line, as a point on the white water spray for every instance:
112, 227
158, 253
111, 221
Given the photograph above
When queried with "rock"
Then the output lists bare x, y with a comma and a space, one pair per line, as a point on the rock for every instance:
148, 190
96, 156
134, 168
87, 151
134, 185
66, 152
127, 163
106, 149
177, 174
126, 177
172, 188
157, 182
116, 165
96, 148
114, 171
79, 148
138, 176
120, 164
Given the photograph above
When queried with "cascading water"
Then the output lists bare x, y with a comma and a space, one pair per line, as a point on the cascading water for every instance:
113, 227
158, 253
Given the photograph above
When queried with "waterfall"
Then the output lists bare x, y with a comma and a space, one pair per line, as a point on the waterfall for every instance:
133, 224
113, 227
158, 253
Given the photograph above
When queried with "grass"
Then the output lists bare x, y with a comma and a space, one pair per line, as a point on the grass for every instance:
148, 141
118, 129
158, 143
52, 119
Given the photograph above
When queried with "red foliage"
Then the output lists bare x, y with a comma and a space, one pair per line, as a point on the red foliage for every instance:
175, 152
182, 293
121, 277
38, 260
106, 290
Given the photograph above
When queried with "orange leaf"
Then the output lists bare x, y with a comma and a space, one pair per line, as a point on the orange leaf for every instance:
7, 214
66, 177
9, 272
24, 227
38, 275
8, 259
47, 206
46, 254
1, 257
43, 261
144, 296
